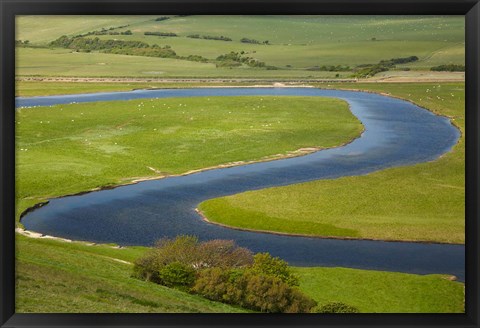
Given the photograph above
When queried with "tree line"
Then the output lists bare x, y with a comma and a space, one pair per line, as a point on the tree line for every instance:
137, 48
140, 48
449, 68
368, 70
209, 37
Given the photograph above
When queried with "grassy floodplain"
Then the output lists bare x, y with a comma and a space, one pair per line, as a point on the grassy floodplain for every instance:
54, 276
423, 202
66, 149
82, 275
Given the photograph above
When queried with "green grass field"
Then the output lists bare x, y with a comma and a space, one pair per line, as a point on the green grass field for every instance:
297, 43
45, 28
54, 276
66, 149
423, 202
382, 292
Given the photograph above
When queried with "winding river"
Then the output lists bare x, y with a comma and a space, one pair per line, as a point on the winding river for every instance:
396, 133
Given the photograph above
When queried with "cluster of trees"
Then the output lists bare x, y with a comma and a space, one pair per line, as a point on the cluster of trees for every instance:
209, 37
402, 60
23, 43
137, 48
160, 33
105, 31
330, 68
449, 68
233, 59
247, 40
159, 19
368, 70
220, 270
195, 58
127, 32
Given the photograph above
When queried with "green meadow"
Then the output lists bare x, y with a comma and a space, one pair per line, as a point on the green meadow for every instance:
54, 276
66, 149
297, 44
422, 202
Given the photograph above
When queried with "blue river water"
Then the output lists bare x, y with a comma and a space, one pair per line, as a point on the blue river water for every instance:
396, 133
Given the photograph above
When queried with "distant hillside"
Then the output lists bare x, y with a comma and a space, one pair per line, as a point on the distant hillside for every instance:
293, 46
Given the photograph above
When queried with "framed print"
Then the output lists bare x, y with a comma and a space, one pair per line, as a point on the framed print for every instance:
259, 163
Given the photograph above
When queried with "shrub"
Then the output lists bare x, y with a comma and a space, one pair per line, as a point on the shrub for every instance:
251, 290
270, 294
335, 307
189, 252
165, 252
265, 264
213, 284
223, 254
177, 275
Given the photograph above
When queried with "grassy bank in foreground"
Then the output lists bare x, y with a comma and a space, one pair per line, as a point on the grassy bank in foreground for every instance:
423, 202
66, 149
55, 276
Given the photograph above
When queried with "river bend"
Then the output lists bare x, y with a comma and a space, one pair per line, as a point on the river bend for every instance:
396, 133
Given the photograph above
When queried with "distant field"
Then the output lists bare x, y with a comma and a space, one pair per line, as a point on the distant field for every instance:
297, 43
63, 62
65, 149
45, 28
55, 276
423, 202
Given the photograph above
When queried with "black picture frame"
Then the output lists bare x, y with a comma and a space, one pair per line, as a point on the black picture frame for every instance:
11, 8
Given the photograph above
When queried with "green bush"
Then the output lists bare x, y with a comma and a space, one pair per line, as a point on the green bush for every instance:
335, 307
251, 290
188, 251
268, 293
213, 284
265, 264
177, 275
